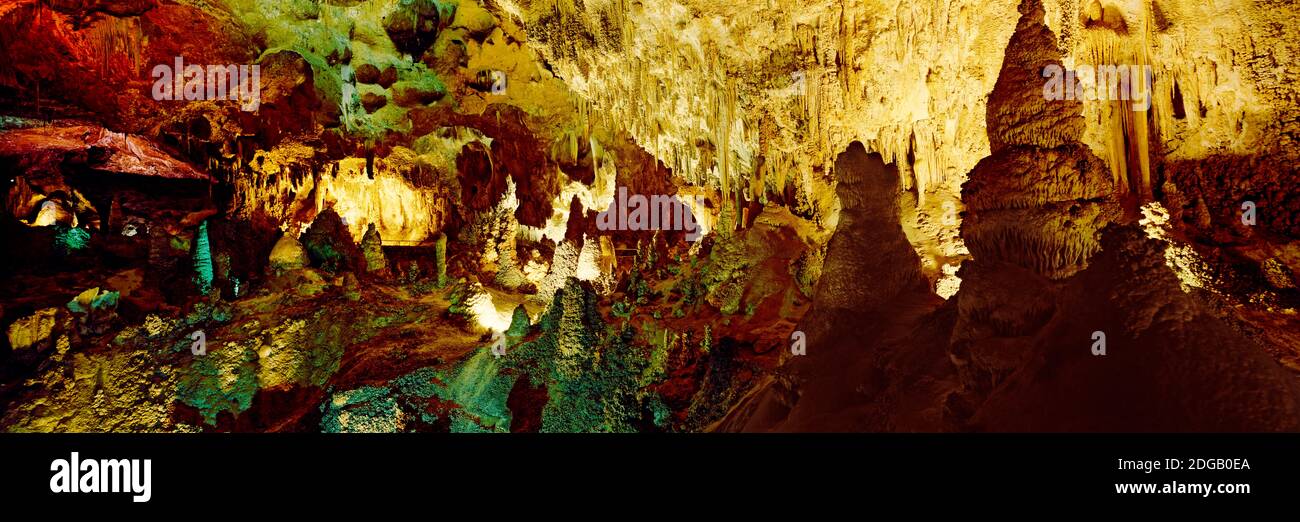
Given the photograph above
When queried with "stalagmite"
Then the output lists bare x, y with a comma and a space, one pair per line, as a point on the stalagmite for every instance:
440, 259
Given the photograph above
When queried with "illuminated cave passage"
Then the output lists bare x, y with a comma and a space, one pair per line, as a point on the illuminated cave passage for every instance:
899, 229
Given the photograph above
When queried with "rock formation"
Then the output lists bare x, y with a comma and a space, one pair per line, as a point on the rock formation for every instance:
384, 215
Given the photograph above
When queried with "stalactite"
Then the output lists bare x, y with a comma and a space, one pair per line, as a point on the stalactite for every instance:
843, 61
370, 159
117, 45
1127, 140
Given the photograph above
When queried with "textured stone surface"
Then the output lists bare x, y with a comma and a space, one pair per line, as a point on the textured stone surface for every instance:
288, 254
884, 181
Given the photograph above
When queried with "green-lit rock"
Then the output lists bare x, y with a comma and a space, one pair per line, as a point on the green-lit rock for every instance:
94, 311
519, 323
329, 244
203, 273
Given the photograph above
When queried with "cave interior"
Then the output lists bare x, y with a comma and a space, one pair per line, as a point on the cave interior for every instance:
629, 216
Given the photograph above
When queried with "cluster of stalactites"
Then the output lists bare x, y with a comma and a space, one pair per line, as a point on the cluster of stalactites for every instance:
118, 45
1124, 124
